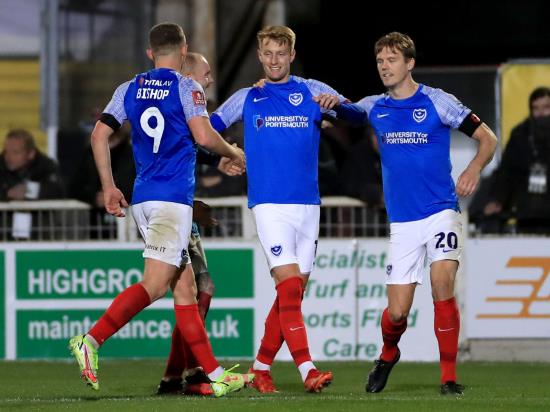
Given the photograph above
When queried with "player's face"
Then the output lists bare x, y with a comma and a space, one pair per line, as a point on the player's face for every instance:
276, 59
202, 74
392, 67
541, 107
16, 155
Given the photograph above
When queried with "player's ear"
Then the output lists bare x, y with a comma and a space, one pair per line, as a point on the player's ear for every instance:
150, 54
411, 63
292, 55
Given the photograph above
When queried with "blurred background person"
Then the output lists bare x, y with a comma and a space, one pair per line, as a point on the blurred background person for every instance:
25, 172
520, 186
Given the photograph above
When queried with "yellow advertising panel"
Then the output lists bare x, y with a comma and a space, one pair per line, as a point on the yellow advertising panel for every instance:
517, 81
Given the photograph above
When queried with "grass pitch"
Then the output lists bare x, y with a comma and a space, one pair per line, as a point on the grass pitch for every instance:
129, 386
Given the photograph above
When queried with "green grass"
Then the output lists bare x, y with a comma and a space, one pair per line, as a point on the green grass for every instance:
129, 386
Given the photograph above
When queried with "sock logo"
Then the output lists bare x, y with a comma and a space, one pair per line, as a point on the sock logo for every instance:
296, 328
444, 330
277, 250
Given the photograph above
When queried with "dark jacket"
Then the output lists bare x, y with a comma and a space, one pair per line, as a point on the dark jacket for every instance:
42, 170
86, 183
527, 145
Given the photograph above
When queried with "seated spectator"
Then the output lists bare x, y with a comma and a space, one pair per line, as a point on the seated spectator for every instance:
521, 183
26, 174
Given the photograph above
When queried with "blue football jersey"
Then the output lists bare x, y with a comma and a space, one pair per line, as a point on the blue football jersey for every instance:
414, 140
158, 105
281, 139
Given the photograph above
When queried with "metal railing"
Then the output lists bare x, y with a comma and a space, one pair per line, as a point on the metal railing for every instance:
44, 220
71, 220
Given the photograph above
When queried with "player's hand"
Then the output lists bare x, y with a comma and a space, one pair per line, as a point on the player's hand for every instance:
238, 157
492, 208
202, 214
114, 201
467, 181
327, 101
227, 167
260, 83
17, 192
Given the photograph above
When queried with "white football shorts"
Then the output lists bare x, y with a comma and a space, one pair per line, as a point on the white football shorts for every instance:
165, 228
437, 237
288, 233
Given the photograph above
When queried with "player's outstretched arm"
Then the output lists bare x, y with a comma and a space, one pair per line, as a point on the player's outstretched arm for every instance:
207, 137
344, 110
469, 179
113, 197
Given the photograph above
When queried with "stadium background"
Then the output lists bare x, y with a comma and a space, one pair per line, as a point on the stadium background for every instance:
463, 47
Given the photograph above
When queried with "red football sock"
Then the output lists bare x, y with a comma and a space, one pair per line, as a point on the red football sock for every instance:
447, 328
124, 307
291, 320
391, 333
204, 304
177, 360
273, 336
193, 332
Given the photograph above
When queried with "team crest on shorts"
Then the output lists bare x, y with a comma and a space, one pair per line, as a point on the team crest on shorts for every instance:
277, 250
295, 98
419, 115
389, 269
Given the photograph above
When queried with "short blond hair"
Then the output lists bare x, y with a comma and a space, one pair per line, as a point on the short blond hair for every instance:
280, 34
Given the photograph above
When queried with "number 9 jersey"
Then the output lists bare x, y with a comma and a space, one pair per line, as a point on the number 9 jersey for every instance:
158, 104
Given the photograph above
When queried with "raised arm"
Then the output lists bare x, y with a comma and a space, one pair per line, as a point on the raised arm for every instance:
206, 136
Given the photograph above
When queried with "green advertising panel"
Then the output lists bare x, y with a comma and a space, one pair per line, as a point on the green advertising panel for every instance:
232, 271
45, 333
76, 274
2, 306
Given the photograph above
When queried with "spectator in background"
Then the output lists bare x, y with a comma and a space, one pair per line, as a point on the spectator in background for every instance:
521, 181
86, 186
25, 172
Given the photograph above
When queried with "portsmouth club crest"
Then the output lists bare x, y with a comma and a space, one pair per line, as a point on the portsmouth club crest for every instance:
258, 121
277, 250
295, 98
419, 115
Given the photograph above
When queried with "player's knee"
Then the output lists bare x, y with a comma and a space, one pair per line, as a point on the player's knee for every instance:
398, 315
156, 291
211, 288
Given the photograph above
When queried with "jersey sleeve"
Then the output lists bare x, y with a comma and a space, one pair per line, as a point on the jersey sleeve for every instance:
116, 106
192, 98
231, 111
450, 110
316, 88
367, 103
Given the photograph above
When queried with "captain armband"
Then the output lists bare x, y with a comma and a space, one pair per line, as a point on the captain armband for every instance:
470, 124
